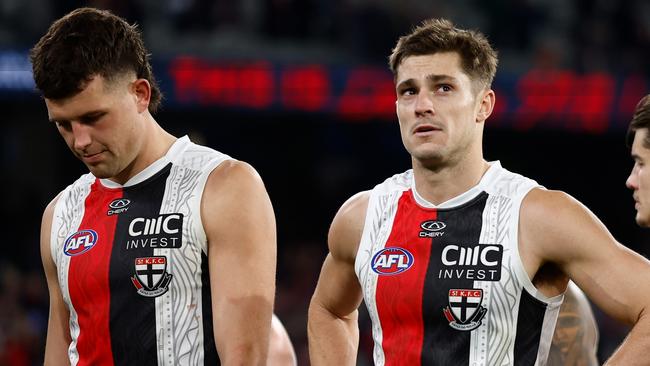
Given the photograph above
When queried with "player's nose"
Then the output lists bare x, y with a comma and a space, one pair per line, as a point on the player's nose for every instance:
81, 136
631, 181
424, 103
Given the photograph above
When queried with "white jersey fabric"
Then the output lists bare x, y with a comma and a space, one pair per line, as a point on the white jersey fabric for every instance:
445, 285
132, 263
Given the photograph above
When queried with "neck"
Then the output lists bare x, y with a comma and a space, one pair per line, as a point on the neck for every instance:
154, 145
442, 183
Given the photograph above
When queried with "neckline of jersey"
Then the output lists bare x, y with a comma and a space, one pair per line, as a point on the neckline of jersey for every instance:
176, 149
487, 178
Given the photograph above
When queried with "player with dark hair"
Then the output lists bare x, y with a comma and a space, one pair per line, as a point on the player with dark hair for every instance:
458, 260
165, 252
638, 138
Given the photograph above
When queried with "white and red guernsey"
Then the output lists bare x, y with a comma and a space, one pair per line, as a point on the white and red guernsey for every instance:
132, 265
444, 285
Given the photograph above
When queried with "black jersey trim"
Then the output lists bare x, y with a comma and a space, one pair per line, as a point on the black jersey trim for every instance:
442, 344
133, 316
530, 320
209, 345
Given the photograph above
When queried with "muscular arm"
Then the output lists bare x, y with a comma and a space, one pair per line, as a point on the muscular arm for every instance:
332, 327
58, 333
575, 341
555, 228
240, 227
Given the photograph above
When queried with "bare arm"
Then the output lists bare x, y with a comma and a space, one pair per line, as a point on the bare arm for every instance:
281, 351
58, 333
575, 341
558, 229
240, 227
332, 328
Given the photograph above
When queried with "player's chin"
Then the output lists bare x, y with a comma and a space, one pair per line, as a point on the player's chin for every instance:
432, 149
643, 219
100, 171
430, 158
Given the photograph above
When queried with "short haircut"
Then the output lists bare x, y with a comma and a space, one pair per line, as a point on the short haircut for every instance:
640, 120
479, 60
85, 43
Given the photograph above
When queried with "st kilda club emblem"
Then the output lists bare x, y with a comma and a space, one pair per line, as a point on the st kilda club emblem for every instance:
151, 278
465, 311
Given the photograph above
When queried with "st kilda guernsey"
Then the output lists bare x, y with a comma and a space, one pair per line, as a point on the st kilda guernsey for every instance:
132, 264
444, 285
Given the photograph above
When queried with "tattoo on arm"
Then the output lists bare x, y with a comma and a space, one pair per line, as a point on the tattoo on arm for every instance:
576, 335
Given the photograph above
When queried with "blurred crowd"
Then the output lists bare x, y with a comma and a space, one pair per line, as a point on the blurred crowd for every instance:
589, 35
23, 315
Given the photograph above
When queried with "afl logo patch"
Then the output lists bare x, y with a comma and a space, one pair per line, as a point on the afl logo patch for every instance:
80, 242
391, 261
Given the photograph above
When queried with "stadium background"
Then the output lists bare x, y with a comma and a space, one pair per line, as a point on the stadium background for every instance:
300, 89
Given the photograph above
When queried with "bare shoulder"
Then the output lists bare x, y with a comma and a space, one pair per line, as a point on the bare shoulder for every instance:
541, 203
46, 223
557, 226
48, 213
347, 227
234, 176
233, 183
234, 196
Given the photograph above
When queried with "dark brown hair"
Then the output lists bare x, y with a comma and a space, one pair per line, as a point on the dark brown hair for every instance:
478, 58
640, 120
85, 43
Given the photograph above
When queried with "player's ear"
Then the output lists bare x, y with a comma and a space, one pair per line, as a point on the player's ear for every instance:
486, 105
142, 91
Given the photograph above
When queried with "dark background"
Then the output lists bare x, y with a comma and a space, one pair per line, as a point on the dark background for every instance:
312, 162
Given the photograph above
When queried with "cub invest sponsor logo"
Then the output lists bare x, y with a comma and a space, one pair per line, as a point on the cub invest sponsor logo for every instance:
163, 231
471, 262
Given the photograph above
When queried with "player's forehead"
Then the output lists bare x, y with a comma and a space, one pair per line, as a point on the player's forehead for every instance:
640, 149
424, 67
640, 136
95, 94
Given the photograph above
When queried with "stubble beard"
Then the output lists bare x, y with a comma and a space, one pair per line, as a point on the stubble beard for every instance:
102, 171
430, 160
108, 168
440, 157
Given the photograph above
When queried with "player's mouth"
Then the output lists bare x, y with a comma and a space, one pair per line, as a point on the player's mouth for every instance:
425, 129
92, 158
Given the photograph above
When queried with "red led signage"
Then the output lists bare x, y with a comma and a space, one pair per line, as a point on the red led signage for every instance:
592, 102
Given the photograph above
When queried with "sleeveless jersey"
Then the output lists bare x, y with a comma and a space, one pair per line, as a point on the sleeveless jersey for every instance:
132, 266
444, 285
